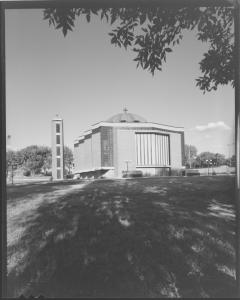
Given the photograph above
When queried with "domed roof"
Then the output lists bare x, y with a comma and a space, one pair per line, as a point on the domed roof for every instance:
126, 117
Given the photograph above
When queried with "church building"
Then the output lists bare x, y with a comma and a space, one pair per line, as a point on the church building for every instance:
126, 144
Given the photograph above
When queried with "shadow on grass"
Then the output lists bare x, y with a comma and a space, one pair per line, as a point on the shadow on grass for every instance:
17, 191
168, 237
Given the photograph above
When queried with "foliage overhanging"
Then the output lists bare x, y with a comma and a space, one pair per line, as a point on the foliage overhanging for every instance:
152, 32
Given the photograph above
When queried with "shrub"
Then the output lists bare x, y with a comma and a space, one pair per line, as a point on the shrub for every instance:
193, 172
26, 173
135, 173
176, 172
37, 170
48, 173
69, 176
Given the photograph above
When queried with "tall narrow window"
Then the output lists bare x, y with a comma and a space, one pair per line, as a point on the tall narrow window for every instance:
58, 162
58, 128
58, 151
58, 174
58, 139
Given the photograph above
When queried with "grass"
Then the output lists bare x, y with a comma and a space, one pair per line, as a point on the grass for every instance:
156, 237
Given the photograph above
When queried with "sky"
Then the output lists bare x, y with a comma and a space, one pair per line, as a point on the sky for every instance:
85, 80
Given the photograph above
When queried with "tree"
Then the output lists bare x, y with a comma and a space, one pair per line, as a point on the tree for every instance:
47, 162
231, 161
219, 159
190, 152
208, 158
68, 158
152, 32
35, 157
13, 163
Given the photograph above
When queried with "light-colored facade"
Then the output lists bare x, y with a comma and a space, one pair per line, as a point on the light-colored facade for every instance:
57, 149
127, 142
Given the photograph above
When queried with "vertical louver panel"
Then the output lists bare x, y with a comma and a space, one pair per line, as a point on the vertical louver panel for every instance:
152, 149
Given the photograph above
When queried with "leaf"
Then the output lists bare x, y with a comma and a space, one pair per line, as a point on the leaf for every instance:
163, 27
88, 17
146, 65
114, 40
142, 18
113, 16
94, 10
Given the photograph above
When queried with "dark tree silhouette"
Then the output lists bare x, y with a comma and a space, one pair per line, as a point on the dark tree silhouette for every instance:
152, 32
68, 159
35, 157
216, 159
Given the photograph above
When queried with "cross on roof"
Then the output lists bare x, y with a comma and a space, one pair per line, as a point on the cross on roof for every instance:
125, 110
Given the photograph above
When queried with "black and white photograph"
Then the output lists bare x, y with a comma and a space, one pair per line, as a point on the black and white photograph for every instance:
120, 147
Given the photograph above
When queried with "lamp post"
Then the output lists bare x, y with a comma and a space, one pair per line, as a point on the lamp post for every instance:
229, 153
189, 151
127, 162
207, 161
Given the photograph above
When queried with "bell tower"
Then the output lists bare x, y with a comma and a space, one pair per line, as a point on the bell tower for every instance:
57, 149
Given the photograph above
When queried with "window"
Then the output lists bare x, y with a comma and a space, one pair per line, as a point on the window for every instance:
58, 139
58, 151
58, 174
58, 162
58, 128
152, 149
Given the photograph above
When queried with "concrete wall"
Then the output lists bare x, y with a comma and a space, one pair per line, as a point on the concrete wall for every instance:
217, 170
76, 156
87, 153
175, 150
87, 150
126, 151
96, 150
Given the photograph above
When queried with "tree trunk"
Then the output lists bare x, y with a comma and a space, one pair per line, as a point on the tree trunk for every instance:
237, 140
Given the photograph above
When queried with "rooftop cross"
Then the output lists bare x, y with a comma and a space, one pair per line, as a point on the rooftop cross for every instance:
125, 110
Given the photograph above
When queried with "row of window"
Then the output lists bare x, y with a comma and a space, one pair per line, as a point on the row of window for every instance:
58, 150
152, 149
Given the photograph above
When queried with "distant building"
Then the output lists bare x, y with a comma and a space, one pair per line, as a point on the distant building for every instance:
125, 143
57, 149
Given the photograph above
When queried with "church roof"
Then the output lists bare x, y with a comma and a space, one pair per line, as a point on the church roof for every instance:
127, 117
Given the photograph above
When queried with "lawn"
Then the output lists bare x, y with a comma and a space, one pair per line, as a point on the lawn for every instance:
146, 237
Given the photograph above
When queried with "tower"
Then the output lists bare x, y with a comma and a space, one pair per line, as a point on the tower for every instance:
57, 149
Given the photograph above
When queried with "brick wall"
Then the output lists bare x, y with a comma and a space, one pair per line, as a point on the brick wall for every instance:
106, 146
